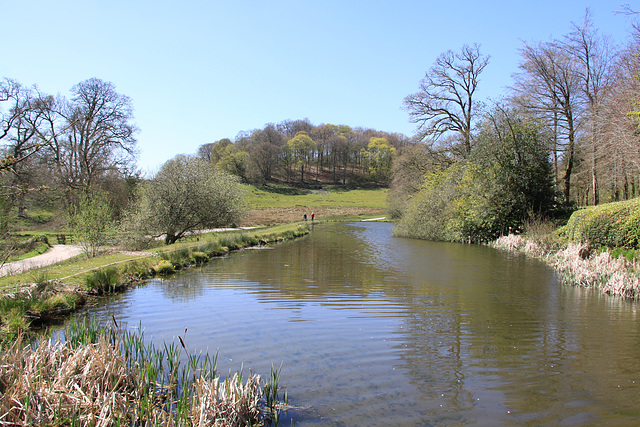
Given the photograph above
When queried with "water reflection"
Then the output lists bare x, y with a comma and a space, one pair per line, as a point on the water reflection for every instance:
376, 330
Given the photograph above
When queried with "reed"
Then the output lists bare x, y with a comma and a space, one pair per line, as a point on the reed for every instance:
580, 265
109, 376
104, 281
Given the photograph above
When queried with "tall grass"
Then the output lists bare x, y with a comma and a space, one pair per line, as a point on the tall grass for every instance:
104, 280
109, 375
580, 265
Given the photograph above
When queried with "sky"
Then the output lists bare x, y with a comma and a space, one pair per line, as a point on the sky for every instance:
200, 71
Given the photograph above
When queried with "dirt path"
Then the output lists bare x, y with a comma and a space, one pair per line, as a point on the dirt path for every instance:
57, 253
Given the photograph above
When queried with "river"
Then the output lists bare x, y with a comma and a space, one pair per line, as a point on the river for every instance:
375, 330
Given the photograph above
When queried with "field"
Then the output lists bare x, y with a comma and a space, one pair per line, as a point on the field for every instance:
274, 205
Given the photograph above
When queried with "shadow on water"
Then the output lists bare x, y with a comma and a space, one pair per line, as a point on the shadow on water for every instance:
377, 330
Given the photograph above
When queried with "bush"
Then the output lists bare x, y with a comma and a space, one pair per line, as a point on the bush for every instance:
103, 281
613, 225
199, 257
164, 267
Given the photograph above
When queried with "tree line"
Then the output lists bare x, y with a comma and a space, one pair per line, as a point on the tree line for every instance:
77, 156
298, 152
565, 134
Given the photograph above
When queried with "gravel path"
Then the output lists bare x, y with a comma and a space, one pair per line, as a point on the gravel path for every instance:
57, 253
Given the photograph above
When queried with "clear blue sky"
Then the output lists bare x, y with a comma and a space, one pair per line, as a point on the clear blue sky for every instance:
199, 71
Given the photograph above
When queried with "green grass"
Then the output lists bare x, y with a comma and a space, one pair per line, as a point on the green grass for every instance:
57, 287
262, 197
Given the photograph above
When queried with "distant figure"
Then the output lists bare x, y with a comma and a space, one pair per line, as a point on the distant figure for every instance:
313, 215
305, 217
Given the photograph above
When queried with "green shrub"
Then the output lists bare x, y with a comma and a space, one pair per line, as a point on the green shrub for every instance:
103, 280
613, 225
164, 267
198, 257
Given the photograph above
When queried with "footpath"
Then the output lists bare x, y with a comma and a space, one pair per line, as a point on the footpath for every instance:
55, 254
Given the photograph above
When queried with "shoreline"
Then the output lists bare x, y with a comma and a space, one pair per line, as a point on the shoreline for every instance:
30, 306
580, 265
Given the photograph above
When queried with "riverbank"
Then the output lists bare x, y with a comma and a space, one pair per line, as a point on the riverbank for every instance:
580, 265
43, 296
110, 375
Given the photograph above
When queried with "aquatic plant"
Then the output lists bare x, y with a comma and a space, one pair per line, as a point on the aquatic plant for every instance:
108, 376
36, 304
103, 280
198, 257
580, 265
164, 267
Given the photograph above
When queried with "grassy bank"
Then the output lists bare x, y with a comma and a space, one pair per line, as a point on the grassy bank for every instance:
596, 249
580, 265
32, 299
111, 376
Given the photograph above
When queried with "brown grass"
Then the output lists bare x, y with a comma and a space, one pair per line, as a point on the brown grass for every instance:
59, 384
581, 266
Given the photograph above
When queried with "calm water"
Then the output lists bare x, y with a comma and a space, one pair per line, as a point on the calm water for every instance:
376, 330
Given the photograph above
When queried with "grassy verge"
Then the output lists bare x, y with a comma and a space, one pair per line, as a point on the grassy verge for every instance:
40, 296
109, 376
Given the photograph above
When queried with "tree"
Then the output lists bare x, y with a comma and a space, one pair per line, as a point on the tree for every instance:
596, 58
19, 131
516, 147
91, 134
445, 102
301, 148
379, 156
549, 85
92, 222
186, 195
409, 170
264, 148
506, 179
20, 123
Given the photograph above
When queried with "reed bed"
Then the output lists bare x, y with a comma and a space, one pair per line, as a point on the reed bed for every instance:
109, 376
580, 265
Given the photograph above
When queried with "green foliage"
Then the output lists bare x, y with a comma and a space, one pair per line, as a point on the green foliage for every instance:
429, 212
92, 221
103, 281
505, 180
5, 210
613, 225
187, 195
299, 152
198, 257
164, 267
379, 157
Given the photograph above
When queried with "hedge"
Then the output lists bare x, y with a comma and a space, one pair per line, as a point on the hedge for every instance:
613, 225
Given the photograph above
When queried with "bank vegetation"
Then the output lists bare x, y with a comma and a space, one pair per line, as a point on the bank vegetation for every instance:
108, 375
596, 249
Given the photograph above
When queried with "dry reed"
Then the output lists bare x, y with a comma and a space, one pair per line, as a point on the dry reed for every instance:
114, 381
581, 266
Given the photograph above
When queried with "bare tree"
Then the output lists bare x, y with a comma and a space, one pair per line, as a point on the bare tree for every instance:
264, 148
445, 102
595, 56
549, 85
91, 134
20, 123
